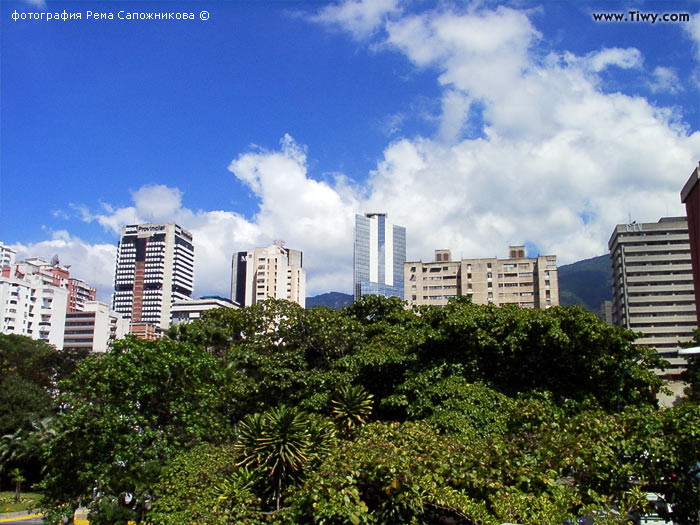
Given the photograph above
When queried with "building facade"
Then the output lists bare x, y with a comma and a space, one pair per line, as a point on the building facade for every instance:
690, 196
653, 284
187, 311
79, 294
33, 301
379, 257
7, 255
272, 272
530, 282
155, 267
93, 328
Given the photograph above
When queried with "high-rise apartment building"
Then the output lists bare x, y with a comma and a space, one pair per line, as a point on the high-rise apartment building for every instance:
690, 195
530, 282
79, 294
7, 255
271, 272
653, 284
379, 256
155, 267
33, 301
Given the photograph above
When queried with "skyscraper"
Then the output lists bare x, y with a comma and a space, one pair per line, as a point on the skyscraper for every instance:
653, 284
155, 267
271, 272
379, 256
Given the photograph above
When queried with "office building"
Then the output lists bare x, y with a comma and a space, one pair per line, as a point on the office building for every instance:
690, 196
93, 328
379, 257
653, 284
186, 311
529, 282
155, 267
272, 272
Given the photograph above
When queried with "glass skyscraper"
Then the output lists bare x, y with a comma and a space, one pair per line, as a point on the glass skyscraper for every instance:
379, 256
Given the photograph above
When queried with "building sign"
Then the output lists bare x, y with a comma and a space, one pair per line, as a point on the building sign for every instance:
151, 228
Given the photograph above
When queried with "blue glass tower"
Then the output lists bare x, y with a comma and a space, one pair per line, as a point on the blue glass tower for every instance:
379, 256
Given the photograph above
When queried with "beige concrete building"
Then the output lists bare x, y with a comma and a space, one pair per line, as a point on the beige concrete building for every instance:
94, 328
272, 272
530, 282
653, 284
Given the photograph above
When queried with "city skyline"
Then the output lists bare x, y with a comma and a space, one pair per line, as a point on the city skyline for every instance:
475, 126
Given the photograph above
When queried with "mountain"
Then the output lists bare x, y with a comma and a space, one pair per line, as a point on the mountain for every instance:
587, 283
335, 300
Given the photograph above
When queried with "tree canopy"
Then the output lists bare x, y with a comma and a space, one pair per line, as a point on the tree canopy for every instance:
462, 414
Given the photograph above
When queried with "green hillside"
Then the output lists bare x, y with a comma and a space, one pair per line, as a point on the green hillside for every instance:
587, 283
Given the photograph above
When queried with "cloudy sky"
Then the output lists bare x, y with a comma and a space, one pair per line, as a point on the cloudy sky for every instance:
474, 125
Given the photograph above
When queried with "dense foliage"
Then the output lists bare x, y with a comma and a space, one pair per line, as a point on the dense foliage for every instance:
373, 414
127, 413
29, 373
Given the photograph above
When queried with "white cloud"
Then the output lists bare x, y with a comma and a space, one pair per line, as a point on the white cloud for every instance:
314, 216
40, 4
692, 28
614, 56
93, 263
360, 17
665, 80
560, 162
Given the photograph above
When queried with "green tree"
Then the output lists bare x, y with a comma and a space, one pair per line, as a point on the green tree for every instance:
281, 442
206, 485
17, 478
691, 374
29, 372
127, 413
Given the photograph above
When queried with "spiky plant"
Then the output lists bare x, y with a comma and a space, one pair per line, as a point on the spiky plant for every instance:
278, 441
351, 407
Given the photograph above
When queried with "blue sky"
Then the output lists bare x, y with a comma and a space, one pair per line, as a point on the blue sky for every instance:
475, 125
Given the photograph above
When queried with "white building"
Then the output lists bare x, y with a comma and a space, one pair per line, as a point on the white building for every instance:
155, 268
7, 255
94, 328
186, 311
31, 305
271, 272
